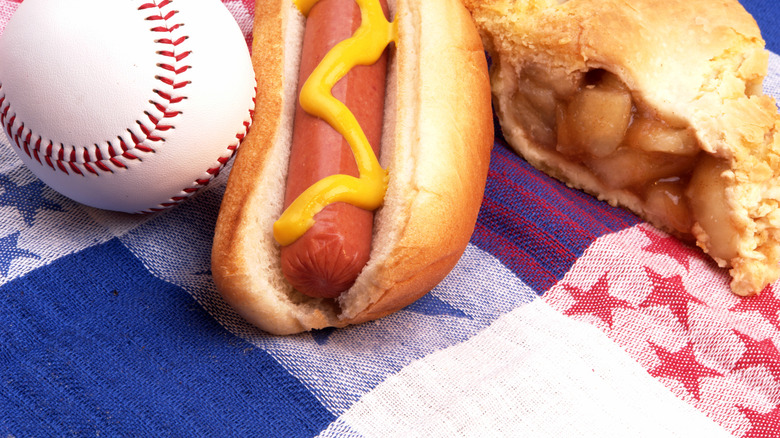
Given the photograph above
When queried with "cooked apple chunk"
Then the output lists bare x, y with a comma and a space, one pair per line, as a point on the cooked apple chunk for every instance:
595, 119
709, 204
653, 135
667, 202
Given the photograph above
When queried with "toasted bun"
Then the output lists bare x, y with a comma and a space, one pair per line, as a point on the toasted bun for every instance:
436, 144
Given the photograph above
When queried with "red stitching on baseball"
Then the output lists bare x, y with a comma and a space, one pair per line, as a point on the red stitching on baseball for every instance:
165, 17
168, 97
100, 162
117, 163
173, 55
10, 121
214, 171
172, 42
164, 29
102, 166
4, 113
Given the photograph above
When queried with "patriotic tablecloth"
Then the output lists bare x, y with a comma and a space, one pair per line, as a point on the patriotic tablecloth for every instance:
564, 318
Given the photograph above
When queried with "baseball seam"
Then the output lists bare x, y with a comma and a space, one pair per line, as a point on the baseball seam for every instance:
91, 159
116, 153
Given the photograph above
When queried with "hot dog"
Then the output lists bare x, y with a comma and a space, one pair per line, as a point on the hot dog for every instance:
424, 188
327, 259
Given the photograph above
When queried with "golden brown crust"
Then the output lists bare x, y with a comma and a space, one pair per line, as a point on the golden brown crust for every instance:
437, 173
690, 64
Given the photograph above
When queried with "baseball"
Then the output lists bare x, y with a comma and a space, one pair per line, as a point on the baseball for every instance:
126, 105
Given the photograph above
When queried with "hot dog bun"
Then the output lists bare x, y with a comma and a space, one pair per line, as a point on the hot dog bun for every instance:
436, 144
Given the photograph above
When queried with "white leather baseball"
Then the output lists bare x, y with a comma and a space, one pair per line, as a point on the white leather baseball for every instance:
127, 105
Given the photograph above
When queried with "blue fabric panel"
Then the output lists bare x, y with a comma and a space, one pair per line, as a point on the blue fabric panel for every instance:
765, 13
111, 350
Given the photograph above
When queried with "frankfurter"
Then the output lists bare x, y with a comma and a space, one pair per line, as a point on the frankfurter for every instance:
327, 258
436, 136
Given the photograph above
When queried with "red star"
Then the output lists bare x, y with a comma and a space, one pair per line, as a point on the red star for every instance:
759, 353
668, 246
670, 291
764, 303
762, 425
596, 301
682, 366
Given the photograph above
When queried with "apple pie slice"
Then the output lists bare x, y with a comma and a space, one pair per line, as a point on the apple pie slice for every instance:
654, 106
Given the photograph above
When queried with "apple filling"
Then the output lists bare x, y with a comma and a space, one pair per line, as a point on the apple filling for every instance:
591, 118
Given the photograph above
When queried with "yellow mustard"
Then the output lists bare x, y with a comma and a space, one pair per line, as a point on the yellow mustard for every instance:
368, 190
